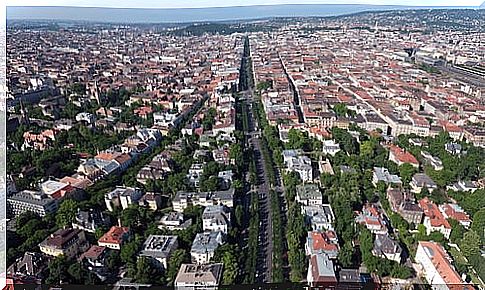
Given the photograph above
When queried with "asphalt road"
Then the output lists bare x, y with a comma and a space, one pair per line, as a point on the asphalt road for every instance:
265, 239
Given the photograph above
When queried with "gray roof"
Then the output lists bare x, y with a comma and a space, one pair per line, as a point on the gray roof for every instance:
90, 218
323, 266
216, 195
383, 174
31, 264
290, 153
384, 244
421, 179
159, 246
123, 191
32, 197
217, 214
206, 242
349, 276
199, 274
308, 191
318, 214
111, 167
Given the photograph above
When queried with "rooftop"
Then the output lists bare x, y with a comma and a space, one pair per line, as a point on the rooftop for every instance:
190, 274
159, 246
116, 235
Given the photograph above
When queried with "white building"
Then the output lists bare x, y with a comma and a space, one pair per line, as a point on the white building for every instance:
382, 174
309, 194
420, 181
191, 277
85, 117
387, 248
297, 163
434, 221
122, 196
204, 247
184, 199
216, 218
159, 248
436, 267
320, 217
330, 147
174, 221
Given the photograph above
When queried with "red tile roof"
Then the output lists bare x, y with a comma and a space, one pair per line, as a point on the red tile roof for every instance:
321, 241
94, 252
116, 235
441, 262
402, 155
451, 212
431, 210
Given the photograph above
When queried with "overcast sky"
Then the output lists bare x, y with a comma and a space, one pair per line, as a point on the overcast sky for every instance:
219, 3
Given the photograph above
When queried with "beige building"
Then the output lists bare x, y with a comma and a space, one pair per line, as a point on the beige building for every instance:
192, 276
66, 242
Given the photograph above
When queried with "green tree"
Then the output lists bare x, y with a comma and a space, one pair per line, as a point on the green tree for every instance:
129, 251
147, 273
421, 231
79, 275
437, 237
176, 259
367, 149
25, 217
457, 231
470, 244
236, 152
345, 254
261, 86
209, 184
228, 255
30, 227
340, 109
209, 119
57, 271
66, 213
478, 224
348, 143
298, 140
239, 214
406, 171
113, 260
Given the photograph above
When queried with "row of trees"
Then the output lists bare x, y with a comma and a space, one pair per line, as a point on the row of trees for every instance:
296, 230
296, 233
270, 134
246, 80
278, 240
252, 245
271, 150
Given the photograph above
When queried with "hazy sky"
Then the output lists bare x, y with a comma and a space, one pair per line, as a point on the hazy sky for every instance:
219, 3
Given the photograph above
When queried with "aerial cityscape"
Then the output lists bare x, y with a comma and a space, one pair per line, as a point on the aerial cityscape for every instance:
344, 150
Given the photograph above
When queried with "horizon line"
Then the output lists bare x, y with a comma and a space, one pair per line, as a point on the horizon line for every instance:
240, 6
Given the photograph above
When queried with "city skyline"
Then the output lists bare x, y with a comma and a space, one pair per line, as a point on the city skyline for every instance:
326, 146
230, 3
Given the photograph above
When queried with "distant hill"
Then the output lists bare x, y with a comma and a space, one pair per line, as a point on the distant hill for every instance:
126, 15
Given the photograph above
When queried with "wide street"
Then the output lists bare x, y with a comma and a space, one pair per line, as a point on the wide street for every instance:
265, 238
